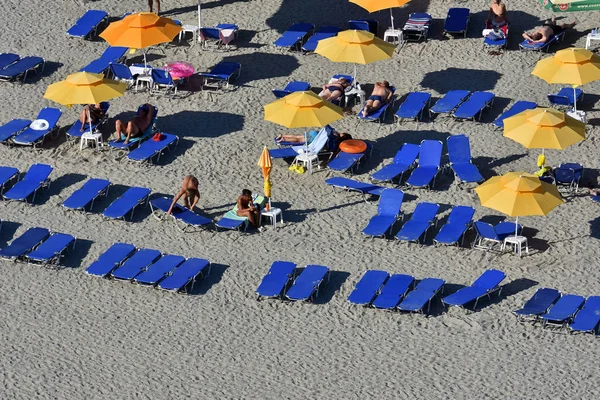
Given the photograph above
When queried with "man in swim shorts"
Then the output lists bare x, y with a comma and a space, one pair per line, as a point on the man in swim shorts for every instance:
189, 191
380, 96
247, 209
546, 31
137, 125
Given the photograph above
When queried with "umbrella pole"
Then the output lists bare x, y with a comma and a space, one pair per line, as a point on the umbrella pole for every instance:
354, 81
517, 227
89, 119
199, 14
574, 98
392, 17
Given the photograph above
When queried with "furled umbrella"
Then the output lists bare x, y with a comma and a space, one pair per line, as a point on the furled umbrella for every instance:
265, 163
377, 5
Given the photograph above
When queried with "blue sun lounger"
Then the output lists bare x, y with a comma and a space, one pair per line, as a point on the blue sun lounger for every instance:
457, 21
368, 287
276, 280
449, 102
33, 137
136, 264
306, 285
422, 218
369, 25
485, 285
185, 275
87, 26
515, 109
127, 203
21, 68
562, 312
7, 174
403, 161
488, 235
528, 45
36, 177
393, 291
151, 149
474, 106
110, 259
354, 186
413, 106
160, 206
24, 243
388, 212
417, 27
223, 72
295, 36
459, 153
7, 59
588, 317
430, 158
12, 128
51, 250
159, 269
458, 222
422, 295
85, 196
291, 87
121, 72
75, 129
537, 305
323, 32
112, 54
344, 162
498, 39
566, 97
120, 145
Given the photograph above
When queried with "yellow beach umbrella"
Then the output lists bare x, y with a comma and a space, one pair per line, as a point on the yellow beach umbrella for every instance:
518, 194
265, 163
302, 110
571, 66
377, 5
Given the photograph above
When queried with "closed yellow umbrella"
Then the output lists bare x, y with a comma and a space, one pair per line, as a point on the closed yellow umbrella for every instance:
266, 164
302, 110
377, 5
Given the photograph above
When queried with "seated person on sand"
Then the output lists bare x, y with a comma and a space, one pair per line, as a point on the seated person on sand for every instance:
335, 90
380, 96
497, 15
546, 31
247, 209
137, 125
190, 193
338, 136
92, 113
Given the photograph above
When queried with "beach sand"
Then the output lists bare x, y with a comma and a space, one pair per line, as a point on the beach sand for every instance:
67, 335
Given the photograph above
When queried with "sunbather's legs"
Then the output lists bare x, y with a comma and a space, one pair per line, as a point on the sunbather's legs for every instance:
367, 108
120, 128
83, 118
157, 5
290, 138
326, 95
251, 215
132, 131
335, 95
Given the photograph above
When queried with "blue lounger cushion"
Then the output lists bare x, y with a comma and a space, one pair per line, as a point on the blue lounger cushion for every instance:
13, 127
110, 259
563, 310
486, 284
459, 154
180, 213
420, 221
126, 204
112, 54
6, 175
352, 185
185, 275
307, 284
430, 158
31, 136
7, 59
51, 249
368, 287
403, 161
223, 71
539, 304
159, 269
457, 20
515, 109
294, 35
449, 102
276, 280
24, 243
388, 212
458, 222
474, 105
393, 291
85, 196
150, 148
291, 87
35, 178
136, 264
87, 23
345, 161
421, 296
588, 317
414, 105
21, 67
323, 32
566, 97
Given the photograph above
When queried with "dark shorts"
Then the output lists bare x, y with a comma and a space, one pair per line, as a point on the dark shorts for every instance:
376, 98
557, 29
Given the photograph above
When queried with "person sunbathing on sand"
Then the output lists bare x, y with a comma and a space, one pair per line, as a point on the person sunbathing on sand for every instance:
546, 31
334, 90
189, 191
380, 96
137, 125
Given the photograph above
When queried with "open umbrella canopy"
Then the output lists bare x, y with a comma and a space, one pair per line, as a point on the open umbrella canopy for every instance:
377, 5
544, 128
352, 46
141, 30
84, 88
518, 194
302, 110
571, 66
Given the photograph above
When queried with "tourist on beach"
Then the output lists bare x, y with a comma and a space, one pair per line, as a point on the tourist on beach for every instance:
189, 191
546, 31
310, 136
246, 208
382, 93
157, 5
137, 125
497, 14
334, 90
92, 114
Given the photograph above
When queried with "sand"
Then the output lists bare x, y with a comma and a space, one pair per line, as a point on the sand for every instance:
67, 335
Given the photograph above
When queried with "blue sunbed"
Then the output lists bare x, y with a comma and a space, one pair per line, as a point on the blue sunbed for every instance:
515, 109
323, 32
21, 68
7, 59
393, 291
12, 128
458, 222
33, 137
276, 280
185, 275
485, 285
588, 317
75, 129
24, 243
388, 212
133, 142
403, 161
459, 153
352, 185
127, 203
537, 305
306, 286
475, 104
563, 311
36, 177
430, 158
180, 214
417, 27
110, 55
85, 196
136, 264
291, 87
488, 235
413, 106
449, 102
368, 287
110, 259
566, 97
422, 218
369, 25
422, 295
457, 21
87, 26
295, 36
223, 72
51, 250
159, 269
151, 149
344, 162
528, 45
121, 72
7, 174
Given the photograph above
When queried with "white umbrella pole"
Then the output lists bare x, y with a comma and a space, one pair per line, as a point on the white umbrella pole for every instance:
517, 227
354, 81
89, 118
392, 17
199, 14
574, 98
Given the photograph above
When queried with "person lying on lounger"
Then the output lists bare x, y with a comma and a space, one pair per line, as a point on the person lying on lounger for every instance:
92, 113
337, 136
246, 208
335, 90
546, 31
189, 191
380, 96
137, 125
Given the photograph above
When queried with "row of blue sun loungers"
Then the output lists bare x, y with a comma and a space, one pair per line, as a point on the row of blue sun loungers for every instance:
23, 132
36, 178
13, 67
302, 36
281, 282
38, 246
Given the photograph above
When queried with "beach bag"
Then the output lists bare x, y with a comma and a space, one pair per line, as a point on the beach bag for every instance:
157, 137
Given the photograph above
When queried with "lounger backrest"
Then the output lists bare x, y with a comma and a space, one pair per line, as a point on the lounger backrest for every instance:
390, 202
399, 283
567, 305
480, 99
54, 244
453, 98
485, 230
490, 279
38, 172
280, 268
461, 215
210, 33
407, 154
348, 78
22, 65
418, 98
50, 114
420, 16
225, 68
459, 149
8, 58
559, 100
358, 25
458, 12
431, 153
116, 254
121, 71
314, 273
296, 86
320, 140
543, 297
425, 212
113, 53
161, 77
371, 280
430, 284
564, 175
592, 304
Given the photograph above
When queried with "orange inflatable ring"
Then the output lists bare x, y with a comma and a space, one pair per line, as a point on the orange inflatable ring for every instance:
353, 146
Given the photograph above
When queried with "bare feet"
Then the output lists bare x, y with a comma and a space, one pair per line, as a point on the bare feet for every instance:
279, 138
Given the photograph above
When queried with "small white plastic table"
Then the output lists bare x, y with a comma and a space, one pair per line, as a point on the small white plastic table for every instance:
395, 34
307, 161
189, 28
590, 37
146, 80
354, 93
94, 137
273, 213
517, 243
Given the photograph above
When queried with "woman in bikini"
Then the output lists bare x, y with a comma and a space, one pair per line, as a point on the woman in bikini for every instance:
335, 90
92, 113
380, 96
